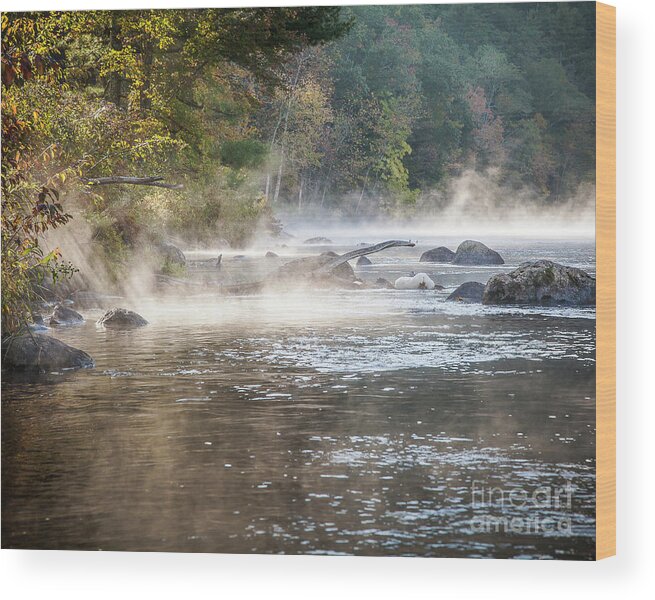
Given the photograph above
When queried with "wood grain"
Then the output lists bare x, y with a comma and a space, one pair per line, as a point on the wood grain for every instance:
606, 280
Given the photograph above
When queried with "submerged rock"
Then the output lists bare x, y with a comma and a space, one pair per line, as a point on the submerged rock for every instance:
121, 318
362, 261
43, 353
471, 291
438, 255
420, 281
63, 315
318, 240
471, 252
544, 283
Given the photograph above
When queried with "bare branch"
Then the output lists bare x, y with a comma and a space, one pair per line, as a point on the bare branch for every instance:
119, 180
338, 260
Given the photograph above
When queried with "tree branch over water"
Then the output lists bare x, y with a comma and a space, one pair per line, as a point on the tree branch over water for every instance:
119, 180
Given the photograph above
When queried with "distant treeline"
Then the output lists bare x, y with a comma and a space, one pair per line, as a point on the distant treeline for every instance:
226, 114
414, 95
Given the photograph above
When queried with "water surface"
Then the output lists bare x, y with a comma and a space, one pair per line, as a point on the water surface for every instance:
330, 422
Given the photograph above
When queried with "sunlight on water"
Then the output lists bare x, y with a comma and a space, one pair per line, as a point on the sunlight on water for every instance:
324, 422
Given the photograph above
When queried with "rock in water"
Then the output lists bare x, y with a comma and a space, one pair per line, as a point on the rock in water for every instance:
318, 240
63, 315
172, 254
420, 281
471, 291
542, 282
362, 261
304, 266
471, 252
270, 254
383, 283
37, 324
121, 318
42, 352
438, 255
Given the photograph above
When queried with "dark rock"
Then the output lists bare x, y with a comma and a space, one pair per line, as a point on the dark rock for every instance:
270, 254
544, 283
383, 283
37, 324
303, 266
476, 253
471, 291
121, 318
318, 240
171, 254
438, 255
362, 261
42, 352
63, 315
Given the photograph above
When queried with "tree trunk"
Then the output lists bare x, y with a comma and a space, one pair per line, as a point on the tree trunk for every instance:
279, 180
301, 60
361, 195
115, 84
145, 101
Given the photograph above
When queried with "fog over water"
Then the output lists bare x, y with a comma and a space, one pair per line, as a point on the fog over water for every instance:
316, 421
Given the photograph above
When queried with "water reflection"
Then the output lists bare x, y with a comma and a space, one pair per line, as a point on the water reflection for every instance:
356, 423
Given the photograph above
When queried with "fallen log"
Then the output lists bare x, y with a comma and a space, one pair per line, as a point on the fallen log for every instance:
120, 180
320, 270
339, 260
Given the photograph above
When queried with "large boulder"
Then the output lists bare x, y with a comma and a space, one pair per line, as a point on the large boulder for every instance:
544, 283
305, 266
43, 353
362, 261
471, 252
62, 315
438, 255
471, 291
171, 254
121, 318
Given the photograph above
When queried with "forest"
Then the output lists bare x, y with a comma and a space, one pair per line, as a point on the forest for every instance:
205, 124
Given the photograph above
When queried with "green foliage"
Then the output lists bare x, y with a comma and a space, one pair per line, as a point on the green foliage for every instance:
147, 92
416, 94
243, 154
365, 108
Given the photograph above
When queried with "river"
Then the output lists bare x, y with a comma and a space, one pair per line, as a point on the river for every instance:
369, 422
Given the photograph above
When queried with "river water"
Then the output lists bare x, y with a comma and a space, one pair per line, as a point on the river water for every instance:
374, 422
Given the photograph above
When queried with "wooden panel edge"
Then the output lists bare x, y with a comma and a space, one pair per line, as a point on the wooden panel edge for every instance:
606, 281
